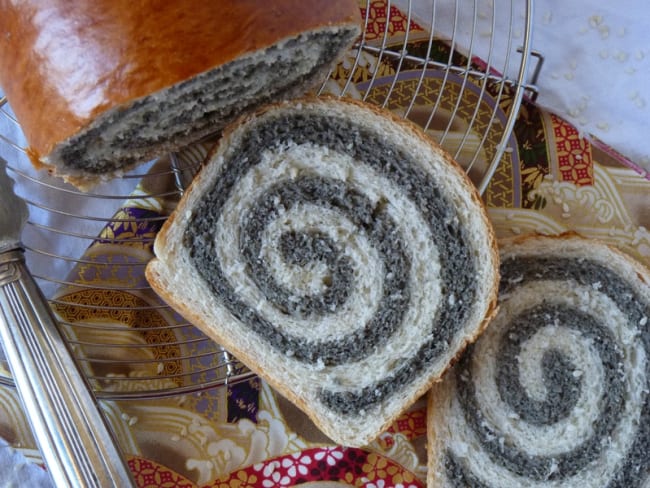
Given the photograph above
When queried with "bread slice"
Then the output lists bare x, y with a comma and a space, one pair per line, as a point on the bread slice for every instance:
337, 252
101, 86
555, 392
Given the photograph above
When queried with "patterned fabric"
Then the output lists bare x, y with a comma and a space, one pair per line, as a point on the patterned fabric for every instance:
354, 467
377, 20
148, 474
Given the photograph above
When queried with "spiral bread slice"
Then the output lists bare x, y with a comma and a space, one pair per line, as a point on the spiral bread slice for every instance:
100, 86
337, 252
555, 392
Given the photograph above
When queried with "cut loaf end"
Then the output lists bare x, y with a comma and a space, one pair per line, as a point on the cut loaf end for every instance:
102, 86
172, 118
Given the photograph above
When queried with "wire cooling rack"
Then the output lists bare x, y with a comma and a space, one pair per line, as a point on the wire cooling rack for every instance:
462, 80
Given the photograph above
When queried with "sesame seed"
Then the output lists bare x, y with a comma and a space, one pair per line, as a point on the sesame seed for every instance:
595, 20
604, 126
604, 31
622, 56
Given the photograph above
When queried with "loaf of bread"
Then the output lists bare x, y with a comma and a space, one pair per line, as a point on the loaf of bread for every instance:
99, 86
337, 252
555, 391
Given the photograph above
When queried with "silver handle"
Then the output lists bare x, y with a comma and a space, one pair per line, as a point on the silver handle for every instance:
74, 438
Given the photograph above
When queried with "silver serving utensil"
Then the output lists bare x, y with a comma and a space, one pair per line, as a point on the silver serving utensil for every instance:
76, 442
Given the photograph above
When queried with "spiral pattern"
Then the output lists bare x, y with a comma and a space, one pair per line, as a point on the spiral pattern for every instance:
556, 391
325, 240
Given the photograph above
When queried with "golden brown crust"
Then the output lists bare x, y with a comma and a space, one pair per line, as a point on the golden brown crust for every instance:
156, 276
641, 270
63, 63
507, 242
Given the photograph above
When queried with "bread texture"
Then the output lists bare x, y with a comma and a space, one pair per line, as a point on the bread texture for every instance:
555, 391
336, 251
101, 86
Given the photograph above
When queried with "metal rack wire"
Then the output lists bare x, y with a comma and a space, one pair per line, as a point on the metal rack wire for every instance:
464, 88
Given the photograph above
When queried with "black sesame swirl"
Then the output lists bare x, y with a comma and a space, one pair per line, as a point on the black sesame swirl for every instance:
544, 389
293, 224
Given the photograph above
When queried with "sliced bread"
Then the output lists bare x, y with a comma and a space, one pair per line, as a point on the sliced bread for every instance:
336, 251
555, 391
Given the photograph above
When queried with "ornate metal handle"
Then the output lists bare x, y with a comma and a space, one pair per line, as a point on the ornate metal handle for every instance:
77, 444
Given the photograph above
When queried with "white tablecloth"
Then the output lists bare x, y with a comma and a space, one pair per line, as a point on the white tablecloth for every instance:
596, 66
16, 470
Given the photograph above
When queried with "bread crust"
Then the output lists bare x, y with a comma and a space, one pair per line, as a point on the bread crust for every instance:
511, 244
62, 64
157, 270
